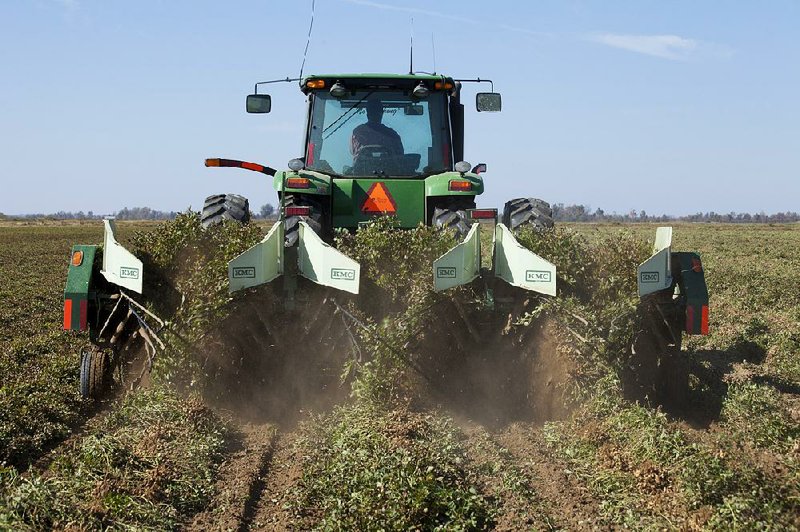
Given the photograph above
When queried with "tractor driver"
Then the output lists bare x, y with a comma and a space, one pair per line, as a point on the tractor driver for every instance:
373, 133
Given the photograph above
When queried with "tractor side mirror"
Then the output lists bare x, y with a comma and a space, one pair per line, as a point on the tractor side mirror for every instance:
488, 102
259, 103
479, 168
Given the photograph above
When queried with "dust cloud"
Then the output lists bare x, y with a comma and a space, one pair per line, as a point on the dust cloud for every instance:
266, 363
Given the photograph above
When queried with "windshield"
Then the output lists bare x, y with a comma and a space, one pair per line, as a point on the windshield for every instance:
384, 133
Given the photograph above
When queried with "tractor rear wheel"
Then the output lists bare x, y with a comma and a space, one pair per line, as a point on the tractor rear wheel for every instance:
95, 373
522, 212
292, 223
453, 216
220, 207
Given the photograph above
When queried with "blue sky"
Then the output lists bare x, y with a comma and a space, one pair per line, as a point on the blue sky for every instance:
671, 107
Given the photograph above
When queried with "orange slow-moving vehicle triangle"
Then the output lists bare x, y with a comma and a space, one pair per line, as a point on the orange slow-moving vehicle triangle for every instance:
379, 200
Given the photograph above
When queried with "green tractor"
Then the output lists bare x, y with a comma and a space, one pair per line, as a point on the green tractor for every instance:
375, 145
378, 145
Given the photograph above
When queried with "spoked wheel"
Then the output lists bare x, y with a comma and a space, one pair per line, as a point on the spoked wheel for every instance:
95, 373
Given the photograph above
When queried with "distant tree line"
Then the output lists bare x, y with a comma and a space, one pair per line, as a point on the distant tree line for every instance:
561, 213
583, 213
128, 213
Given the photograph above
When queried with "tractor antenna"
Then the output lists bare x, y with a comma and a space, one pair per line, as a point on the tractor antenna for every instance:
308, 40
433, 46
411, 58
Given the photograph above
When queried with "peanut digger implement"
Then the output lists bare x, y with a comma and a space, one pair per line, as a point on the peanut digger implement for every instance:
376, 145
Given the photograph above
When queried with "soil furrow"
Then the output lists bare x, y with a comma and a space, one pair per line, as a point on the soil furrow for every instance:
518, 505
568, 500
272, 508
240, 480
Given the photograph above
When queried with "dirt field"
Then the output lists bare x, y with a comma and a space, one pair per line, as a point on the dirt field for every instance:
453, 446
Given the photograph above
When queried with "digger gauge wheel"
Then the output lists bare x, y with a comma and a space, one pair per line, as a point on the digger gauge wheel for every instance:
95, 373
221, 207
522, 212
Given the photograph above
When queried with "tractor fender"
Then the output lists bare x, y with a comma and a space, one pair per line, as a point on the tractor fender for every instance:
439, 184
318, 184
79, 283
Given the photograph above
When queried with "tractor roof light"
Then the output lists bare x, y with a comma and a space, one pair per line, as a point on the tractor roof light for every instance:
420, 91
463, 167
338, 90
443, 85
315, 84
295, 165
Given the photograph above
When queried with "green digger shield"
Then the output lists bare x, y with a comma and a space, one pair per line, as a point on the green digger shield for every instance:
260, 264
120, 266
460, 265
520, 267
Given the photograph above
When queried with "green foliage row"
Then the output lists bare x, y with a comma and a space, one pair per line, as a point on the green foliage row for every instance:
187, 281
39, 399
149, 465
699, 475
396, 272
369, 468
597, 304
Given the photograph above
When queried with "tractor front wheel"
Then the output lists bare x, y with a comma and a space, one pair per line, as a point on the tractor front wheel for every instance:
220, 207
523, 212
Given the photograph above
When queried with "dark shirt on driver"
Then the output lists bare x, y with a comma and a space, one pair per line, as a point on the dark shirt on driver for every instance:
375, 134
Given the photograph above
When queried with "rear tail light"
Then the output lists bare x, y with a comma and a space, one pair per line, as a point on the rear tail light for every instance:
298, 211
460, 185
67, 314
704, 320
697, 266
692, 327
298, 182
483, 214
77, 258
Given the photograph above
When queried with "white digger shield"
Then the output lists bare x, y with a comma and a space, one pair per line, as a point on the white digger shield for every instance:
120, 266
260, 264
460, 265
654, 274
519, 266
316, 261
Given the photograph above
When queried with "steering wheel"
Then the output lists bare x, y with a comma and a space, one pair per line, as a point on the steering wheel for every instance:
370, 158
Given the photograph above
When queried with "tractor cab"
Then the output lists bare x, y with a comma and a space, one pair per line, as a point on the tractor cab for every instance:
367, 125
